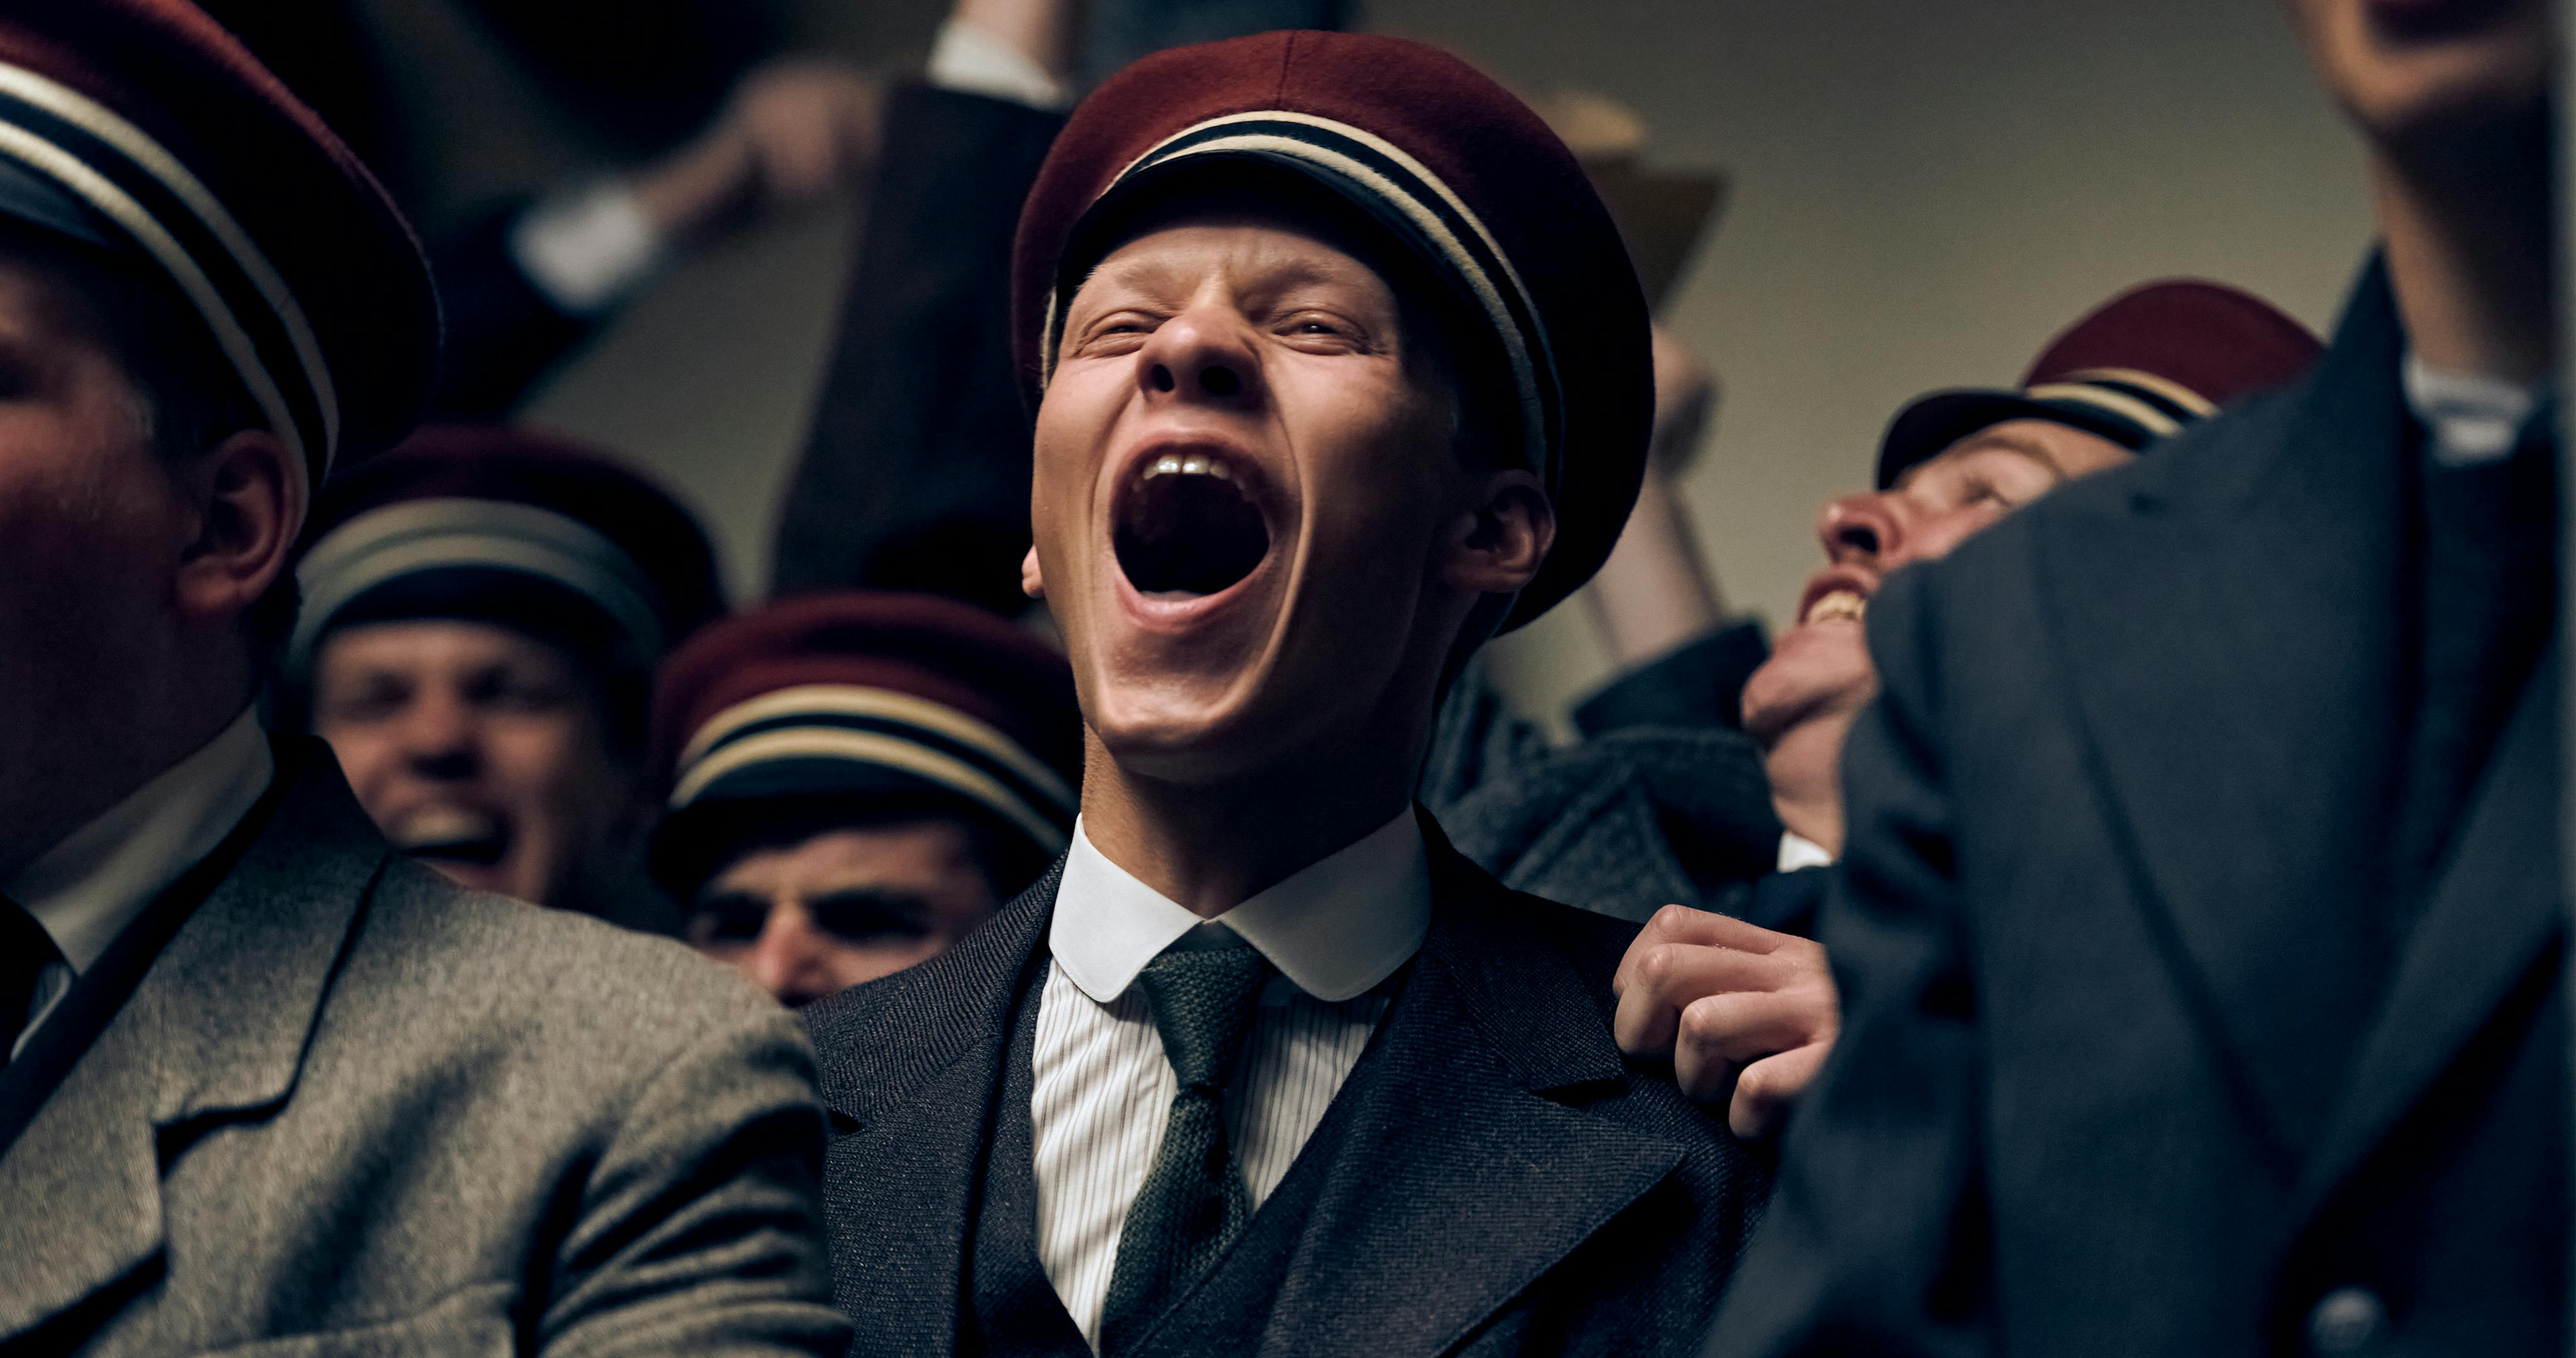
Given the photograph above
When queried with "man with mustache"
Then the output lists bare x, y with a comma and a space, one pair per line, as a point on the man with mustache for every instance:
1263, 1065
484, 611
2200, 920
265, 1086
1744, 1007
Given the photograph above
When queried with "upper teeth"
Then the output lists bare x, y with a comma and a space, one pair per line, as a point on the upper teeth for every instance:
1842, 603
1192, 464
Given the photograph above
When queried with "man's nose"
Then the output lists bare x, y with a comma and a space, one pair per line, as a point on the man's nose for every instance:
787, 959
1202, 356
439, 738
1862, 529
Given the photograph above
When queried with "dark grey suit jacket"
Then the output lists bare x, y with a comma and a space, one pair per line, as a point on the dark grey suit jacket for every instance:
1507, 1184
355, 1109
2119, 1072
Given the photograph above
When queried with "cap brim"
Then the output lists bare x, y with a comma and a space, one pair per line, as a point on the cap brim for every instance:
1922, 430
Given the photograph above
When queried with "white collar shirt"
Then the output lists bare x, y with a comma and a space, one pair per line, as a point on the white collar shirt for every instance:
85, 890
1336, 931
2469, 419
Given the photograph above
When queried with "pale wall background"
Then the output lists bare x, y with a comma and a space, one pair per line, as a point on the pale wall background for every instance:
1924, 190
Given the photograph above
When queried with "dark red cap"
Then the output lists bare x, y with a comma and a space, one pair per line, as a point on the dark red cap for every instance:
488, 521
142, 124
911, 699
2136, 369
1454, 169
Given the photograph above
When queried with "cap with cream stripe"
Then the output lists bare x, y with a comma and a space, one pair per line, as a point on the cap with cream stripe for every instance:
512, 526
1452, 169
143, 127
2139, 368
901, 703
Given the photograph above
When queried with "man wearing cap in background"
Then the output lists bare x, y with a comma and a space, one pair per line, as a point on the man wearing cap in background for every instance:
2201, 920
1312, 426
484, 609
857, 780
264, 1079
1745, 1008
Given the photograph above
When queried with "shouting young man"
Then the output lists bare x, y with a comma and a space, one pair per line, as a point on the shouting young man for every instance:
1339, 367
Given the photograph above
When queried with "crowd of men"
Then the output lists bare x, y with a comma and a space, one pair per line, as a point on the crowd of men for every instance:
1100, 906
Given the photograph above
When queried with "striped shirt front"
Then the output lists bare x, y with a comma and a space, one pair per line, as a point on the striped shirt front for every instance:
1335, 931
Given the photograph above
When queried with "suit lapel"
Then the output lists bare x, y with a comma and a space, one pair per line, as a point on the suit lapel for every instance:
2493, 913
911, 1070
2230, 630
1463, 1174
215, 1029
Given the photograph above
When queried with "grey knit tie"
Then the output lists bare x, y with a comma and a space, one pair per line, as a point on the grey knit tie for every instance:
1193, 1203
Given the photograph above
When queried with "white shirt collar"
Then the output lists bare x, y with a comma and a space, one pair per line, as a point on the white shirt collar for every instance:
1335, 928
1797, 851
2471, 419
86, 889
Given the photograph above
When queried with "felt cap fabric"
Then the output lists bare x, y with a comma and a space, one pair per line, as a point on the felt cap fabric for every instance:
2134, 370
1454, 170
512, 526
142, 124
895, 701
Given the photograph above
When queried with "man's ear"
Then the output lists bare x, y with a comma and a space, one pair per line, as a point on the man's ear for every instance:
1497, 546
248, 493
1032, 580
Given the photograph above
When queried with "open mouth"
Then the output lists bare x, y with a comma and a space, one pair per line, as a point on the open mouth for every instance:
1188, 527
457, 834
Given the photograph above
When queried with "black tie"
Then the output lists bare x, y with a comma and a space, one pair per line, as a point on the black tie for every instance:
25, 948
1193, 1203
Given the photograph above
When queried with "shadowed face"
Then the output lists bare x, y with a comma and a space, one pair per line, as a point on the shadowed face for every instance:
1251, 516
1800, 703
481, 750
804, 920
2430, 78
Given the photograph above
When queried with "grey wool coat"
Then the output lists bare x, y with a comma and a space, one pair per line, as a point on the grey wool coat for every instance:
354, 1109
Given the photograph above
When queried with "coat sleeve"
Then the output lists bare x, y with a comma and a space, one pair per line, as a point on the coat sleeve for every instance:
1876, 1241
699, 1229
916, 474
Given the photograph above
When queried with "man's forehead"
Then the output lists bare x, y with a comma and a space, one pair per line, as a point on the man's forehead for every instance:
1272, 248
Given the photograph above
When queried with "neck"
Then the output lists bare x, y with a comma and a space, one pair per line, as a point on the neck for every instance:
100, 746
1212, 846
2469, 251
1806, 787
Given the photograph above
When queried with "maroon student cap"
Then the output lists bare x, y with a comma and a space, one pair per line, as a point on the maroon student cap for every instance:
915, 702
2138, 368
142, 129
1455, 171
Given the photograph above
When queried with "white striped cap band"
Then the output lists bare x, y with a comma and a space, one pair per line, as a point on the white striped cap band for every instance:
875, 728
1400, 191
130, 179
414, 537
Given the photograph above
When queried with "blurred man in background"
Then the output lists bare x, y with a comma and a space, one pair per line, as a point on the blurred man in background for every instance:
484, 611
1744, 1007
2201, 919
857, 780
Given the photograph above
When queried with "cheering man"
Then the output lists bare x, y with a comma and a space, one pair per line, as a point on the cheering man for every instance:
1339, 367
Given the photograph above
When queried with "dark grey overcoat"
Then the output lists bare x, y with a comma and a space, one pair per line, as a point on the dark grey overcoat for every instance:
1504, 1182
